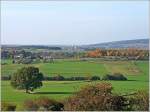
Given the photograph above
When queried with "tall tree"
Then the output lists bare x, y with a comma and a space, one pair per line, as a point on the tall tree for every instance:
28, 78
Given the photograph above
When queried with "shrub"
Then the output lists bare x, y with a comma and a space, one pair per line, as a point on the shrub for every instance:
30, 105
95, 98
47, 78
95, 78
58, 77
140, 101
76, 78
61, 78
5, 77
43, 104
49, 104
26, 61
7, 106
119, 103
3, 63
115, 76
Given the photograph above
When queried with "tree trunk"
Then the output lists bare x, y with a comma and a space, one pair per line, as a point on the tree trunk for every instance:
27, 91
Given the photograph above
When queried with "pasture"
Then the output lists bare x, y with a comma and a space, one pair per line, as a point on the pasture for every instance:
137, 73
69, 68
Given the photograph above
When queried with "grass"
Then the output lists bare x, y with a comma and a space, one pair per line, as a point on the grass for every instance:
59, 90
65, 68
78, 68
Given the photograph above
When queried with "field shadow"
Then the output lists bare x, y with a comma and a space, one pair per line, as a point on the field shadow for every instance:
53, 93
73, 82
131, 80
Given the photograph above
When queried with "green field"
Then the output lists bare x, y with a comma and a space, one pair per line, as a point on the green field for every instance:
79, 68
137, 73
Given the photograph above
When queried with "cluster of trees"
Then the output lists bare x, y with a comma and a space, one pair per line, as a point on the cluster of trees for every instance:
130, 52
28, 57
39, 47
98, 97
6, 54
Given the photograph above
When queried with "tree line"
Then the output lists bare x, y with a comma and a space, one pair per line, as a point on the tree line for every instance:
130, 52
27, 73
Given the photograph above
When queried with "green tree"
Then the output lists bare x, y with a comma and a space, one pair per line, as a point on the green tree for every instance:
28, 78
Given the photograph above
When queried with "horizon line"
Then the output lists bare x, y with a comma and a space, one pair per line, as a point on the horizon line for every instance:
69, 44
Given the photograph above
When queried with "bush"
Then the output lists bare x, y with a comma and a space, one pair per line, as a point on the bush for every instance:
43, 104
116, 76
61, 78
95, 78
5, 77
48, 78
58, 77
26, 61
95, 98
140, 101
76, 78
3, 63
30, 105
7, 106
49, 104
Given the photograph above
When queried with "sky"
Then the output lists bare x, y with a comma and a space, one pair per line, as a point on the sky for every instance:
73, 22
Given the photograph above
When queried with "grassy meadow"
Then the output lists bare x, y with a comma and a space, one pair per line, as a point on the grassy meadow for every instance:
69, 68
137, 73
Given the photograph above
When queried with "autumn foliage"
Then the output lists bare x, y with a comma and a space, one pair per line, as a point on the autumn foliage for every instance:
97, 97
42, 104
130, 52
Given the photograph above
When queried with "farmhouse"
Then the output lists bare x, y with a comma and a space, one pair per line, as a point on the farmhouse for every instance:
47, 57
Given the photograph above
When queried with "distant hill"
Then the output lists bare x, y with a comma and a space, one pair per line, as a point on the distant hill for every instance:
137, 43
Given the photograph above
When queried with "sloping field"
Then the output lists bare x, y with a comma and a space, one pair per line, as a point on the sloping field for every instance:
125, 67
62, 89
79, 68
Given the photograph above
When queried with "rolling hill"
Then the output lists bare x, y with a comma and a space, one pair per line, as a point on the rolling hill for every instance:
137, 43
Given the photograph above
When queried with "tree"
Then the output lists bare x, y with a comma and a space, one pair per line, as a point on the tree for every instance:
97, 97
28, 78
